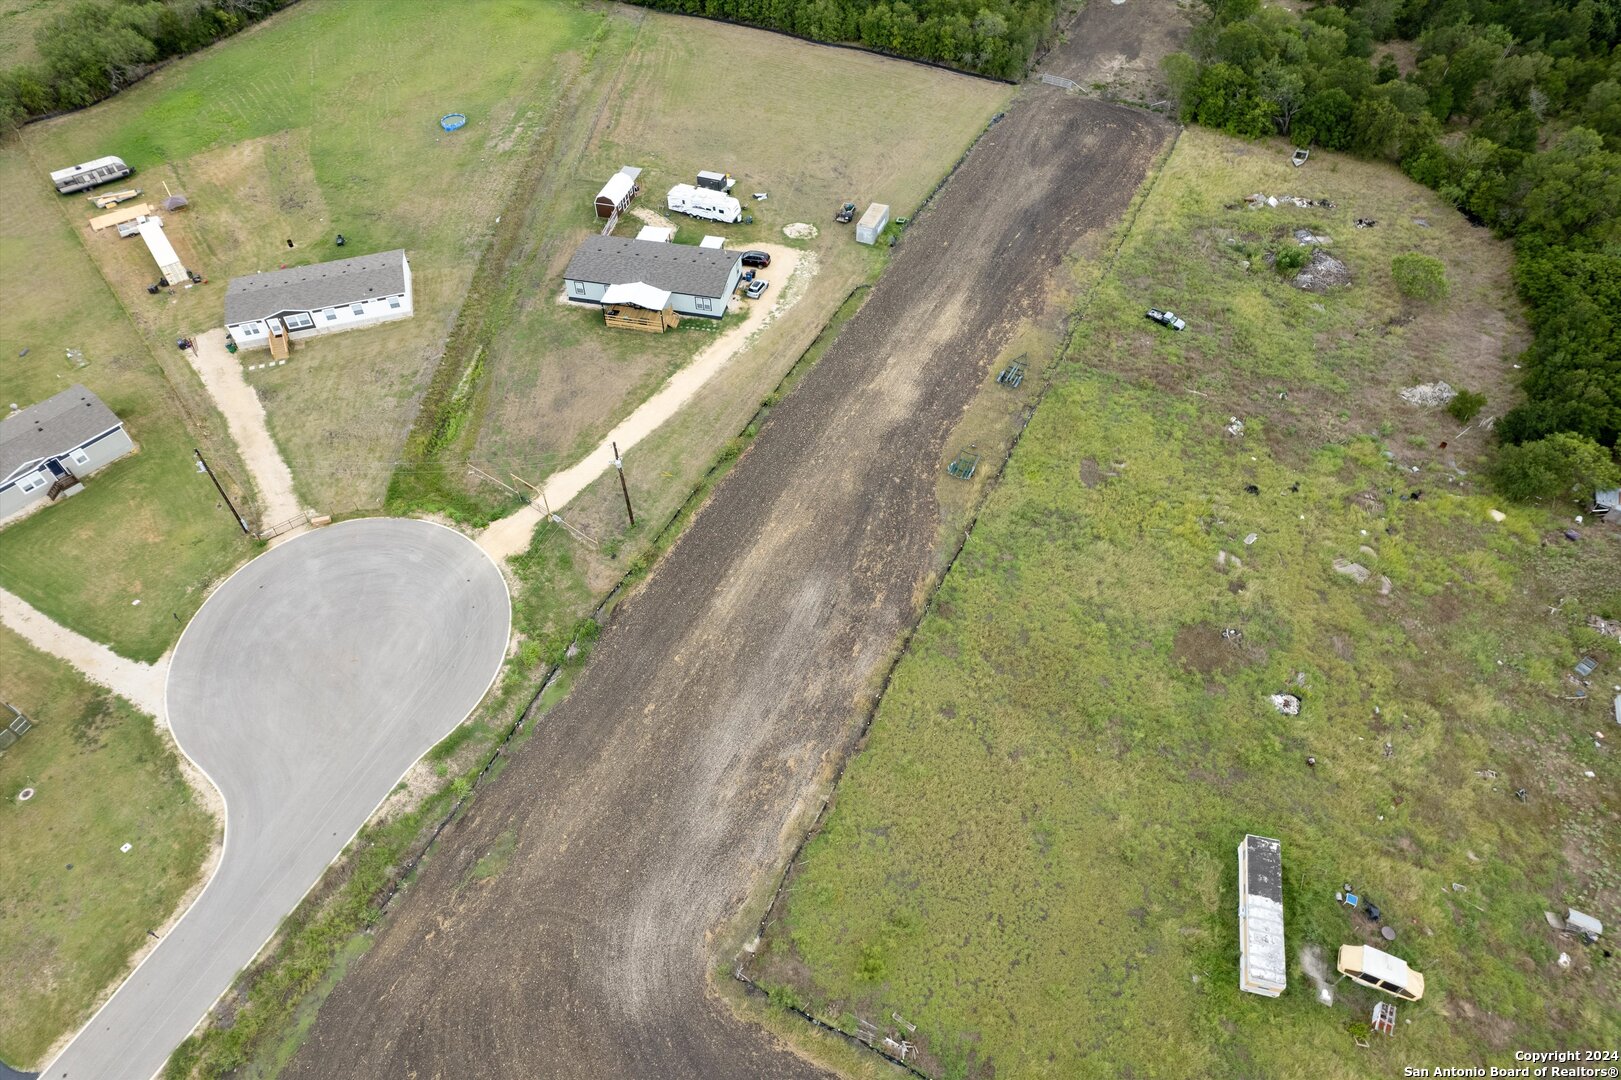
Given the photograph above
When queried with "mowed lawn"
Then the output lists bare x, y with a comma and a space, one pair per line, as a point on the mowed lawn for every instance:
1034, 857
325, 120
148, 527
74, 908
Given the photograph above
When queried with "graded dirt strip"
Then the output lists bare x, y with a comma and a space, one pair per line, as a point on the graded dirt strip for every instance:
651, 802
140, 684
305, 688
511, 535
244, 414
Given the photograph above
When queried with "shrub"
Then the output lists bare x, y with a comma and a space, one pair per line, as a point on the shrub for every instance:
1466, 406
1290, 260
1419, 277
1561, 464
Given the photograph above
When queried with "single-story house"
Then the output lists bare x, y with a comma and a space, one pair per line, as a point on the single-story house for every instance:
320, 299
48, 448
700, 281
617, 192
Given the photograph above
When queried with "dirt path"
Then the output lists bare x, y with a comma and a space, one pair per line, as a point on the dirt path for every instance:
645, 809
651, 217
245, 418
141, 684
789, 275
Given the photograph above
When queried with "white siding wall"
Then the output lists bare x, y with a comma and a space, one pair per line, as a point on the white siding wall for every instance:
102, 452
253, 335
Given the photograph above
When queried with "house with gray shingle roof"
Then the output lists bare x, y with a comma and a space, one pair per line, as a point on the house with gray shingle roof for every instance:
700, 281
303, 301
47, 449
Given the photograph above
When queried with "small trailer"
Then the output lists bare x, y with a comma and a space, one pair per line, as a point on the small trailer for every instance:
1380, 970
704, 203
91, 174
872, 223
1262, 964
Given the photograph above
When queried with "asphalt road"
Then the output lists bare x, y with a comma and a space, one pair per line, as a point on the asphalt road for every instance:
305, 687
645, 808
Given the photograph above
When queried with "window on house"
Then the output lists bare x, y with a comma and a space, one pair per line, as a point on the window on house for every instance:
33, 483
579, 288
330, 314
80, 457
298, 321
394, 302
703, 303
359, 309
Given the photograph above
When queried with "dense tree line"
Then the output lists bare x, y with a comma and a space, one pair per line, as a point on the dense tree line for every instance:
1510, 109
989, 37
91, 49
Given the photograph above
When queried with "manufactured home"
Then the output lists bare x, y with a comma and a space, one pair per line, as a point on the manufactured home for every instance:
90, 174
704, 203
46, 450
1380, 970
269, 310
1262, 964
700, 281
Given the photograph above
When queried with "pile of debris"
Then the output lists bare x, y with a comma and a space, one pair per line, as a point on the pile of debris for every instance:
1257, 200
1430, 394
1324, 272
1306, 236
799, 230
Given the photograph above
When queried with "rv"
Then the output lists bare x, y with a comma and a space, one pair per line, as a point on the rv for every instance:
90, 174
704, 203
1380, 970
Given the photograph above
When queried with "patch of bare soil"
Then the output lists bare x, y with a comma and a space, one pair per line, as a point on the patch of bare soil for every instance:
657, 796
1323, 273
1115, 49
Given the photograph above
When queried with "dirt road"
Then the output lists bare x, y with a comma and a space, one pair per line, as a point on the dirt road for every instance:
140, 684
648, 805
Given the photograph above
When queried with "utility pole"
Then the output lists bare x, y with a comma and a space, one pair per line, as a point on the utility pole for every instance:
619, 467
202, 466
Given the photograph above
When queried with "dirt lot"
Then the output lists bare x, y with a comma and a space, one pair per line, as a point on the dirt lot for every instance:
1115, 48
719, 698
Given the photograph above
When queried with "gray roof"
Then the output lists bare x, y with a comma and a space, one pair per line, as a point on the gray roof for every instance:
1265, 868
309, 288
51, 428
677, 268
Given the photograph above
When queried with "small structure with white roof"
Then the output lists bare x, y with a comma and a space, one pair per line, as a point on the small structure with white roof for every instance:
658, 234
617, 192
163, 253
1262, 964
872, 223
716, 242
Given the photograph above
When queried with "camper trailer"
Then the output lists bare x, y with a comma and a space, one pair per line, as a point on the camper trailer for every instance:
1380, 970
90, 174
704, 203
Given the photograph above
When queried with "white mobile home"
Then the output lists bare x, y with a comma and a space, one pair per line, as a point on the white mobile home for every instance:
704, 203
1262, 963
320, 299
163, 253
46, 450
700, 281
872, 223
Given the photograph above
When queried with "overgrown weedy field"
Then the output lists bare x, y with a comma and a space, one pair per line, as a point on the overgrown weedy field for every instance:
1033, 858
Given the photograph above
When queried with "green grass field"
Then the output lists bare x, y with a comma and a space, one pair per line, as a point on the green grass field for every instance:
74, 907
19, 21
146, 528
1033, 858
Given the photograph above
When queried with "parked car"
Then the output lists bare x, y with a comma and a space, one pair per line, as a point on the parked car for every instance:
1166, 318
846, 213
756, 287
756, 258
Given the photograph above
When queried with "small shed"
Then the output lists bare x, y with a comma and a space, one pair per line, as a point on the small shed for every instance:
659, 234
163, 253
638, 306
872, 223
615, 194
716, 242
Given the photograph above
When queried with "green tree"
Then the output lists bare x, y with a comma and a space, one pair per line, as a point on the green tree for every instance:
1419, 277
1561, 464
